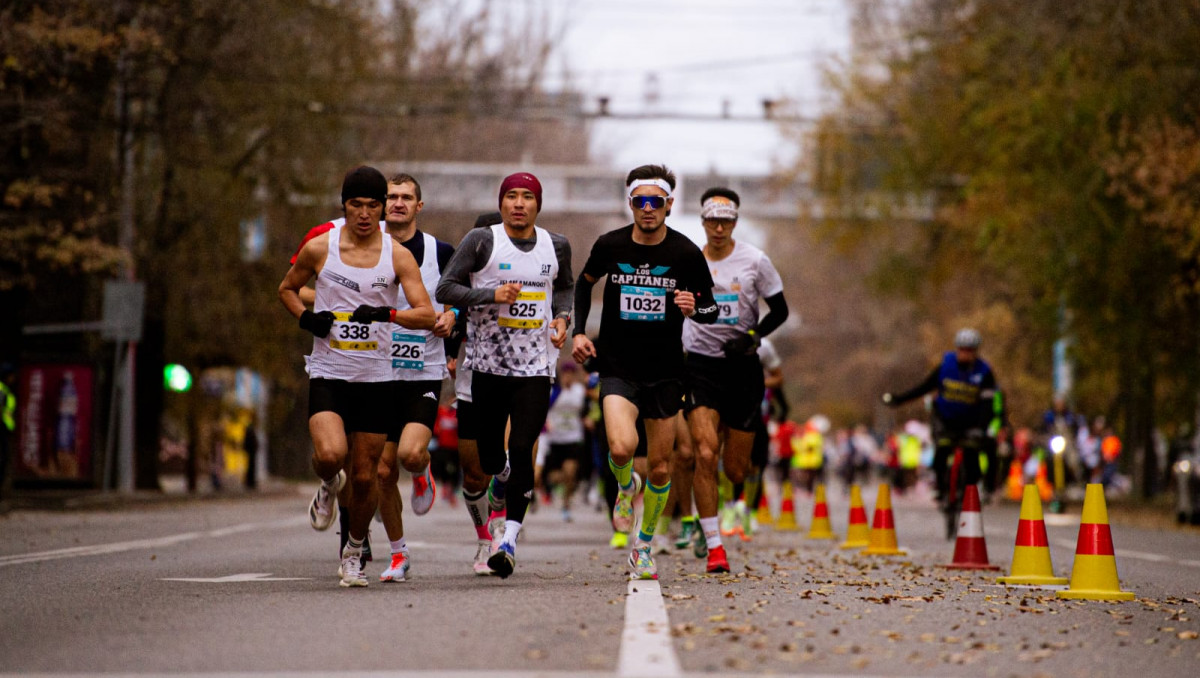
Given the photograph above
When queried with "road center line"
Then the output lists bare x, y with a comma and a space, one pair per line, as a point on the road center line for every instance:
646, 647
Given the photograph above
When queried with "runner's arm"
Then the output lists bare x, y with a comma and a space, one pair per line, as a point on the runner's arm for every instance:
930, 384
454, 289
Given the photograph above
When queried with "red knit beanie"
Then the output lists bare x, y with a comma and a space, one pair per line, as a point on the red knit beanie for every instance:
522, 180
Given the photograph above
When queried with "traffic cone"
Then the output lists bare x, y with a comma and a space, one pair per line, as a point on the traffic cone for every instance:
787, 510
970, 549
763, 516
858, 534
1094, 574
1031, 556
1045, 489
820, 529
1016, 480
883, 529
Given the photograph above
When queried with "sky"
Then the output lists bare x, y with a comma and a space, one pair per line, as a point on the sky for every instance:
679, 62
681, 58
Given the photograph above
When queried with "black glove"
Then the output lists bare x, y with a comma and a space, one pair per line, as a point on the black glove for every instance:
741, 345
317, 323
369, 314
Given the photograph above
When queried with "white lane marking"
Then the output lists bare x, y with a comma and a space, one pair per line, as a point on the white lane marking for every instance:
646, 647
139, 544
1060, 519
248, 576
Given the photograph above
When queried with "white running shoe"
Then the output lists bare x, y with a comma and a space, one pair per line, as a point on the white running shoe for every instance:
622, 517
351, 569
424, 493
483, 550
323, 507
398, 570
660, 543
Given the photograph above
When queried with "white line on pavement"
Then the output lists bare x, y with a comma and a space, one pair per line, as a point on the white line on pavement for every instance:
646, 647
136, 544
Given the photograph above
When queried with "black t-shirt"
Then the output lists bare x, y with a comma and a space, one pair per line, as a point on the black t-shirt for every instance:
641, 328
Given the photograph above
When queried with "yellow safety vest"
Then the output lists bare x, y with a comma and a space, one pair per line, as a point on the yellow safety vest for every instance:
807, 451
8, 410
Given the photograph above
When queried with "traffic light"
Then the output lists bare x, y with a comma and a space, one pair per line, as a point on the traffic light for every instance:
177, 378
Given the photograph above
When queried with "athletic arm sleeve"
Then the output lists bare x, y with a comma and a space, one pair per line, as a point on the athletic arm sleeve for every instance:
454, 289
564, 282
707, 310
777, 313
583, 303
930, 384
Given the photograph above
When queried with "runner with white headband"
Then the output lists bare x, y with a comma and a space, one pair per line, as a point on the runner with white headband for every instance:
656, 278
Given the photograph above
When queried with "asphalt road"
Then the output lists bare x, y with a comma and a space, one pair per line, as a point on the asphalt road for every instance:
243, 586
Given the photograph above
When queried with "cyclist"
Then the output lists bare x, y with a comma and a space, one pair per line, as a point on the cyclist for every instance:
962, 408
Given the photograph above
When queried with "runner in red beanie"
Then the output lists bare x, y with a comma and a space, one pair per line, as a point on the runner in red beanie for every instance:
522, 180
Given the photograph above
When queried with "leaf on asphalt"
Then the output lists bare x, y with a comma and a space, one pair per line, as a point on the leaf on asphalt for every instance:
717, 618
535, 654
891, 635
682, 596
1188, 635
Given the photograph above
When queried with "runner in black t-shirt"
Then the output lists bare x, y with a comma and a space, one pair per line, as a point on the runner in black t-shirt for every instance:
656, 278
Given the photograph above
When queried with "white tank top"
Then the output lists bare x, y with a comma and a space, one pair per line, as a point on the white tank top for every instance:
417, 355
353, 351
514, 339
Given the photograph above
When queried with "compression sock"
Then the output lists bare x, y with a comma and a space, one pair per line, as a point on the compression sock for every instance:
477, 507
624, 474
653, 501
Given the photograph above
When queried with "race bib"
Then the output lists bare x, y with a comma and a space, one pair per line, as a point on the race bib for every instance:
408, 351
348, 336
643, 303
526, 313
727, 308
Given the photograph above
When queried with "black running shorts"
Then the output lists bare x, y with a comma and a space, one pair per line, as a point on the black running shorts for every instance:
365, 407
654, 399
414, 402
731, 386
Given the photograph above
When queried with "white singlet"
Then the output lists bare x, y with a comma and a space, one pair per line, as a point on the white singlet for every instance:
417, 355
739, 281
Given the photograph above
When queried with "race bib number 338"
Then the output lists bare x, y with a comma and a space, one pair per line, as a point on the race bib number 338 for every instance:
348, 336
643, 303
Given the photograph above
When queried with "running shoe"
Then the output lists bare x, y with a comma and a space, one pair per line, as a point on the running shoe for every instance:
398, 569
641, 565
699, 543
496, 529
717, 562
321, 511
660, 543
622, 518
351, 569
685, 534
619, 540
424, 492
503, 560
728, 521
483, 550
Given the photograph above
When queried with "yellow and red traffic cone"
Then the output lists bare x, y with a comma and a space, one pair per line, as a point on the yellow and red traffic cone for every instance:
763, 516
1031, 555
1094, 573
858, 534
970, 548
820, 528
883, 529
1016, 480
787, 510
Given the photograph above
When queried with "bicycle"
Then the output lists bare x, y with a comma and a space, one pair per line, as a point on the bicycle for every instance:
952, 506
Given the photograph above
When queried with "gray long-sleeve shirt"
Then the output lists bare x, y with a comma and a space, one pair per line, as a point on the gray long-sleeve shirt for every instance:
473, 253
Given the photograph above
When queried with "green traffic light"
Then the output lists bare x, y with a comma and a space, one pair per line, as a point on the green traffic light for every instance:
177, 378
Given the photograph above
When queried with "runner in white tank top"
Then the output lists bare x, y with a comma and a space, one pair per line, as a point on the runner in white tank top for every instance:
346, 394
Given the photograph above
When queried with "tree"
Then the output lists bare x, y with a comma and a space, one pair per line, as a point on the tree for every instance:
1030, 128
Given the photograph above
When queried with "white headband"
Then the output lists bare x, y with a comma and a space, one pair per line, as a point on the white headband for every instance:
650, 182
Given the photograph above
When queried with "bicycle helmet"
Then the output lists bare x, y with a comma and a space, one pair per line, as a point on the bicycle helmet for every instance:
967, 338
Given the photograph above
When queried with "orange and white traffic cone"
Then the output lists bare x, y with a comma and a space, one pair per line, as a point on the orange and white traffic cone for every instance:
1031, 555
820, 528
763, 516
787, 510
1094, 574
970, 548
883, 529
858, 534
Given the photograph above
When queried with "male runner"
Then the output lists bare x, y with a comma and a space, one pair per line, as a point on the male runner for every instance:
418, 360
515, 279
724, 375
357, 270
656, 278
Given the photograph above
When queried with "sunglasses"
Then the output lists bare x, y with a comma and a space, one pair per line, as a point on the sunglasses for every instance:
640, 202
